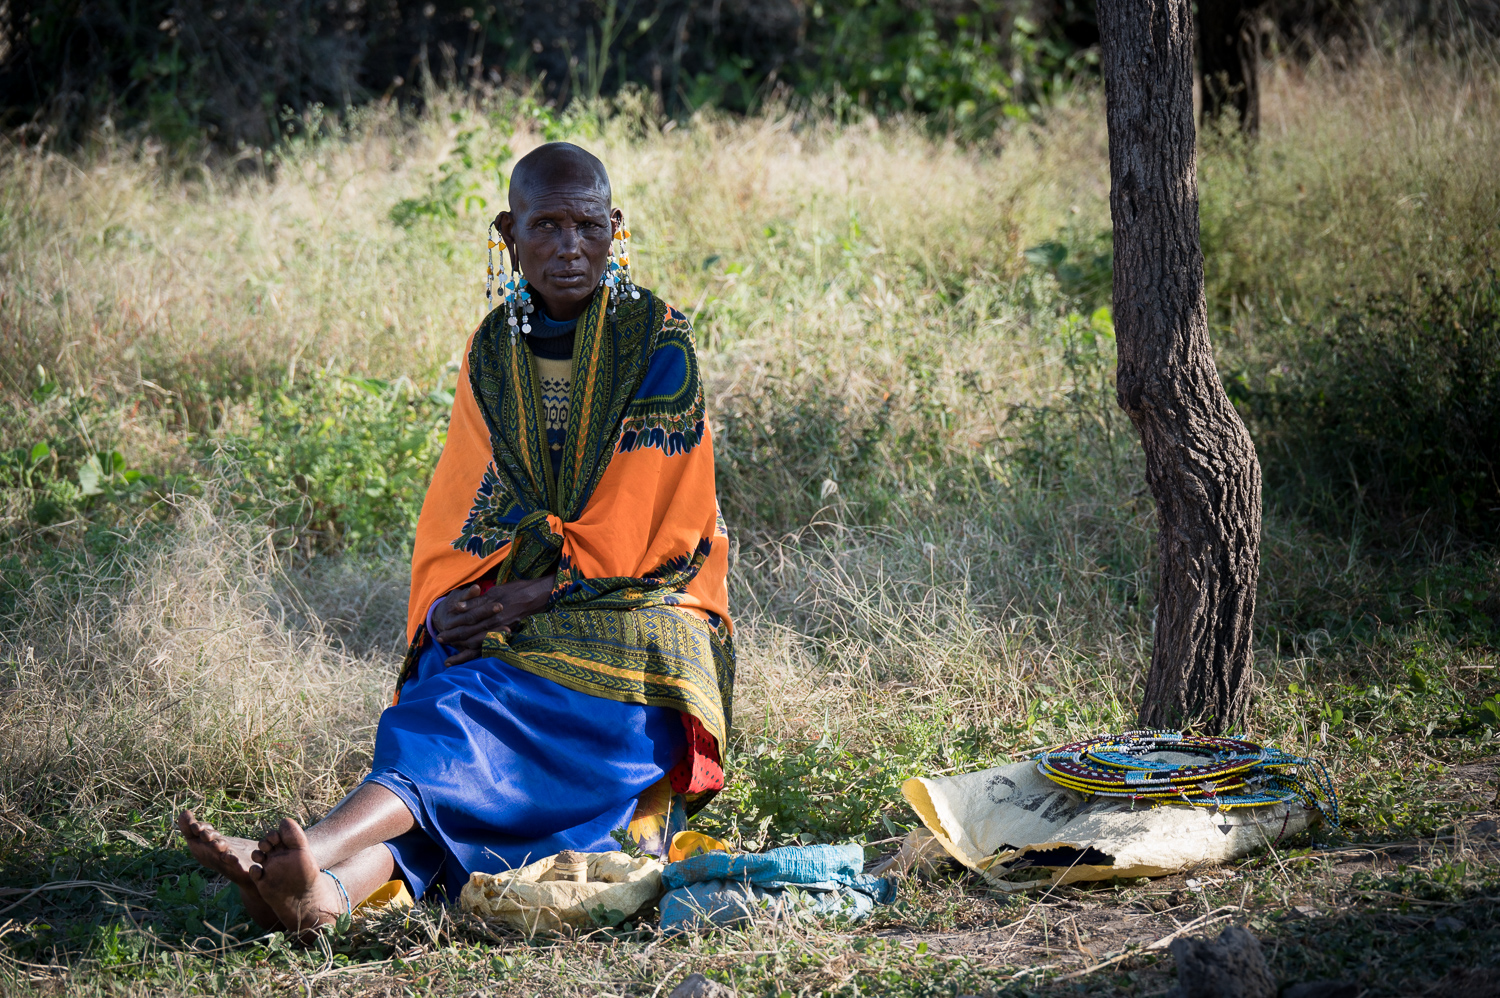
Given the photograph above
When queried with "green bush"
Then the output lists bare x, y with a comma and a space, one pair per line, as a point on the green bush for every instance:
344, 460
1391, 409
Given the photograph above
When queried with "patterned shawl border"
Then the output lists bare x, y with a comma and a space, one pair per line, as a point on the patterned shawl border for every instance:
654, 655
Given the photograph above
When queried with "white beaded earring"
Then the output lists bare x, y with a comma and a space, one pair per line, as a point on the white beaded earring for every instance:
514, 296
616, 279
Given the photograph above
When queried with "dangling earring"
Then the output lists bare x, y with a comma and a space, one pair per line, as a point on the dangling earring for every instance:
520, 298
617, 272
624, 235
489, 270
514, 296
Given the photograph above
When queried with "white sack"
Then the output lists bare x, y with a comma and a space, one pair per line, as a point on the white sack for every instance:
532, 900
1020, 830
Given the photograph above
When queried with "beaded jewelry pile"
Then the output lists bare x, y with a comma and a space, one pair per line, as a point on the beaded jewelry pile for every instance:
1168, 767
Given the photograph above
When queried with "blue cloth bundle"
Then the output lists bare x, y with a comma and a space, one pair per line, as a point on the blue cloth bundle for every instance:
723, 888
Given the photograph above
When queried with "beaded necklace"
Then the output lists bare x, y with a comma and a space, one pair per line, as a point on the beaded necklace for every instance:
1220, 773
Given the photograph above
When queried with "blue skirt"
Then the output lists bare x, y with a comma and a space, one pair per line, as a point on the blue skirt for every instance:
500, 767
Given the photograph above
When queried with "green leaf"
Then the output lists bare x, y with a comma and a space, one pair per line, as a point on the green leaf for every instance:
609, 917
89, 474
38, 452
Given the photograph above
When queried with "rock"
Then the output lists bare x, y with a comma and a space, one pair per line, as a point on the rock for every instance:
1321, 989
1231, 966
698, 986
1447, 925
1485, 827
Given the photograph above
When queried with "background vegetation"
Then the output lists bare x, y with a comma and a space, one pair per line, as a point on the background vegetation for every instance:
238, 75
224, 393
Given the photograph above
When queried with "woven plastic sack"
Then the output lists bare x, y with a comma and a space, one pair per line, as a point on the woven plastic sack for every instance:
1020, 830
530, 899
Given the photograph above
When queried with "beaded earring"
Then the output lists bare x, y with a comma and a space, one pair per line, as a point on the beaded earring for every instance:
616, 279
514, 296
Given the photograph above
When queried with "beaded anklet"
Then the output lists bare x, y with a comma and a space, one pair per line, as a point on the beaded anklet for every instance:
348, 908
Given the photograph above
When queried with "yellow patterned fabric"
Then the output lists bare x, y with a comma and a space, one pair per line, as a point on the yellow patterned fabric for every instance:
555, 379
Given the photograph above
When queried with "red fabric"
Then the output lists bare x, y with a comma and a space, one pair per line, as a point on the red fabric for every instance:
699, 770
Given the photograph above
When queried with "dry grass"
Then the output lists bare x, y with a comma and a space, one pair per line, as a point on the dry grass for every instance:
182, 665
1362, 181
944, 549
849, 273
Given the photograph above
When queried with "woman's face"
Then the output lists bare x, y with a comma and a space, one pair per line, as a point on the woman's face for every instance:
559, 235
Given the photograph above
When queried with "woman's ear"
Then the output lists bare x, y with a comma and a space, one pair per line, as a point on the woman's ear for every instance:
505, 225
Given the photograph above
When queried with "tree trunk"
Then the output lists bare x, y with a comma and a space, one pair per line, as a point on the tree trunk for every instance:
1200, 462
1228, 54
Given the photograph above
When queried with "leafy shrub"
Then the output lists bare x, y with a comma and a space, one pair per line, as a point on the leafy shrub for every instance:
346, 460
1392, 408
249, 73
453, 187
62, 469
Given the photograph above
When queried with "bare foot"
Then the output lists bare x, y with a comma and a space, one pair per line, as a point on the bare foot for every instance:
230, 858
283, 868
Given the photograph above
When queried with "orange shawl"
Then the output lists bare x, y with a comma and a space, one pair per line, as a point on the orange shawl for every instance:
629, 529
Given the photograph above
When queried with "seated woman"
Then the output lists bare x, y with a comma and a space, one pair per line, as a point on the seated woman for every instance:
570, 666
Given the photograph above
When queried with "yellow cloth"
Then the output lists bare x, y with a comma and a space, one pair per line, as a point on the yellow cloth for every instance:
688, 844
391, 894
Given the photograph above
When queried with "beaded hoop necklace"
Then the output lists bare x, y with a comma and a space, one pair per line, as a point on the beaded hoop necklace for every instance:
1220, 773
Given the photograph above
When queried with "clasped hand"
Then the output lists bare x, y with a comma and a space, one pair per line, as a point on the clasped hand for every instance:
465, 616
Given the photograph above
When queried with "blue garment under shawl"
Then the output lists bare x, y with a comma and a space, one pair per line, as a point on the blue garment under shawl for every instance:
500, 767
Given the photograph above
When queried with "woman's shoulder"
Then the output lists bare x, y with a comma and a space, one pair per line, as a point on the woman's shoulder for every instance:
667, 411
672, 317
676, 330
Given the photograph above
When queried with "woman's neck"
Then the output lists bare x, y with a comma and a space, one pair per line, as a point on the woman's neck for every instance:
558, 313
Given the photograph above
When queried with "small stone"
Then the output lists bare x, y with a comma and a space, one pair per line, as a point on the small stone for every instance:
1322, 989
1231, 966
698, 986
1485, 827
1447, 925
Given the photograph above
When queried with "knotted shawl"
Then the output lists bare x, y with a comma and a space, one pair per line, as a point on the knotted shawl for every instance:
629, 530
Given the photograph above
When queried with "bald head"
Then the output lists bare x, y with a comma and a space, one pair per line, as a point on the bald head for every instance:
559, 227
557, 166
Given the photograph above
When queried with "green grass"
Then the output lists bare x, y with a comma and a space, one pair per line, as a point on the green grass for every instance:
222, 397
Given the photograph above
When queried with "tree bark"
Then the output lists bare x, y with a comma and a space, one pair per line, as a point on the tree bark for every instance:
1200, 462
1228, 54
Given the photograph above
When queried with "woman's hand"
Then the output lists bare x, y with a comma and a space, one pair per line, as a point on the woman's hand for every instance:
465, 616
